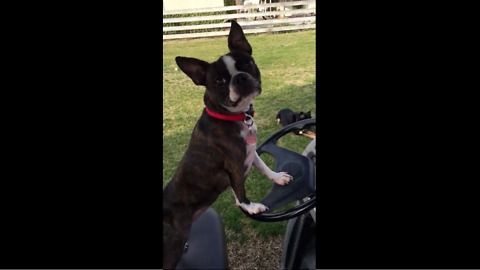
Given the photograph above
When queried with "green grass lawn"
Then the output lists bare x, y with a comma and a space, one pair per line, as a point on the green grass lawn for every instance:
287, 65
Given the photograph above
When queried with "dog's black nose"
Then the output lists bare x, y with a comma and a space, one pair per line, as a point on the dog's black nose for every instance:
240, 78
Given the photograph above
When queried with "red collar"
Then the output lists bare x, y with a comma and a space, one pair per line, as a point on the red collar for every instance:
235, 117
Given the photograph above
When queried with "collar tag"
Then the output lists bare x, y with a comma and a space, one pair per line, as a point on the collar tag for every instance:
248, 120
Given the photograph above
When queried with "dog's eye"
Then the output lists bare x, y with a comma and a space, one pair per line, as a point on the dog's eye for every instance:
220, 82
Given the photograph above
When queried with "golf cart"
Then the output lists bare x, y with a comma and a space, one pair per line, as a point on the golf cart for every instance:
207, 241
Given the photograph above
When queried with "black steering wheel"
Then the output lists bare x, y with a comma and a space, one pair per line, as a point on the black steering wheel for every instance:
299, 166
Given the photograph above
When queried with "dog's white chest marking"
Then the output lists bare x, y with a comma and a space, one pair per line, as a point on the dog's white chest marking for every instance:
249, 134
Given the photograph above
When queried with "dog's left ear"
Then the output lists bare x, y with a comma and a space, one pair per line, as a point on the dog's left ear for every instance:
194, 68
237, 40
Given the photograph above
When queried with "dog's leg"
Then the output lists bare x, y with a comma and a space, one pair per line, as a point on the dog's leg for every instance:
237, 202
237, 182
175, 235
251, 208
280, 178
308, 134
197, 214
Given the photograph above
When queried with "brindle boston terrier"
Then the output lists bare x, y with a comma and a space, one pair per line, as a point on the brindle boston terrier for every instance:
222, 146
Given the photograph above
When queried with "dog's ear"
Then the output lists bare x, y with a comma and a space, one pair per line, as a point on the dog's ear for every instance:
194, 68
237, 40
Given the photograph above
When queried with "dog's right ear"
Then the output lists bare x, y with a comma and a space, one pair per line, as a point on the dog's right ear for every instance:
237, 40
194, 68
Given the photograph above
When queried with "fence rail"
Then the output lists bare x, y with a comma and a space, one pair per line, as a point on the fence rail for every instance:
240, 7
253, 18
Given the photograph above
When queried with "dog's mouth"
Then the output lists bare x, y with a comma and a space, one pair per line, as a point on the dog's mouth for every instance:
234, 96
236, 103
242, 89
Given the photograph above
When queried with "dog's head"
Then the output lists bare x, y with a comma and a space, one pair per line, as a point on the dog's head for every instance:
303, 115
231, 82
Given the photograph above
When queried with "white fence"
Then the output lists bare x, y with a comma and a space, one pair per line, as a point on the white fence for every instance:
261, 18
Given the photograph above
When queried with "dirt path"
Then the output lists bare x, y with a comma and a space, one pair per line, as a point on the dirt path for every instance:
255, 253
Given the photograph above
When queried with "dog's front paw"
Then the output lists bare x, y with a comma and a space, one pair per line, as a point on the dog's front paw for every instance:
282, 178
253, 208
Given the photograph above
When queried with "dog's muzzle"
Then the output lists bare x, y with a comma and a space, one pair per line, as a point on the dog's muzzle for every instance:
243, 84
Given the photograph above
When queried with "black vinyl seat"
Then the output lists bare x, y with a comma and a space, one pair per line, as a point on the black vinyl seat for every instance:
207, 247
